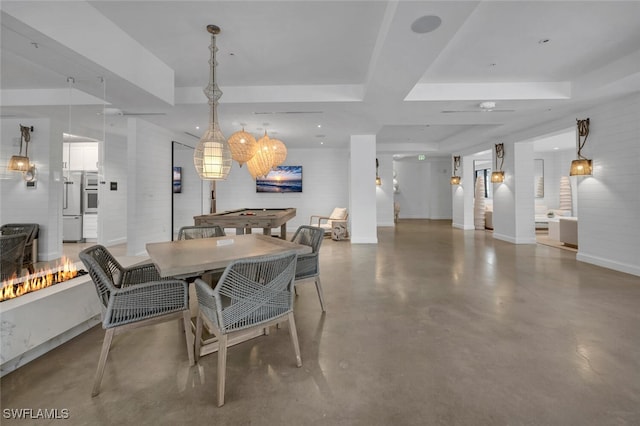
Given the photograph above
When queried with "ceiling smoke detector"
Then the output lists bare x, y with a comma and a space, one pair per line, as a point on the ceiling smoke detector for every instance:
487, 106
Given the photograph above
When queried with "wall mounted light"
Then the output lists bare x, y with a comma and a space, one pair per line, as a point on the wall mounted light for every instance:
498, 175
455, 179
378, 180
20, 163
212, 156
582, 166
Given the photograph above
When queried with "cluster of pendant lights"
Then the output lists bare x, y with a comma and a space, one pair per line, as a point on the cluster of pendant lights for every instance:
260, 156
213, 154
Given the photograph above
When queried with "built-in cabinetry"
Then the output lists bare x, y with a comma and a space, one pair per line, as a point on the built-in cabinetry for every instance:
90, 226
80, 156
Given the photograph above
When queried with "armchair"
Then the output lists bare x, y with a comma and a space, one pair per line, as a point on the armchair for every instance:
31, 230
194, 232
133, 297
252, 293
308, 265
11, 253
339, 213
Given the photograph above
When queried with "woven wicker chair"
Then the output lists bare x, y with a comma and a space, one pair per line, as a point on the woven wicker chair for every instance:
308, 265
134, 297
252, 293
11, 254
194, 232
31, 229
206, 231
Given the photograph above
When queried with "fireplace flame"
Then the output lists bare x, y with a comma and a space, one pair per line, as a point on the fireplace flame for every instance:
15, 287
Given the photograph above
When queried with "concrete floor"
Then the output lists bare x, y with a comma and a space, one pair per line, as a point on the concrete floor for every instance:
431, 326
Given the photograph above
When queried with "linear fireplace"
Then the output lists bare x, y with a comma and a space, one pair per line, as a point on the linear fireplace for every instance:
18, 286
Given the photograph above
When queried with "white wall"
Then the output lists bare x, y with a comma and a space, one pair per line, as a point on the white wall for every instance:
189, 202
362, 189
384, 192
556, 165
113, 204
149, 185
325, 185
609, 201
425, 188
42, 204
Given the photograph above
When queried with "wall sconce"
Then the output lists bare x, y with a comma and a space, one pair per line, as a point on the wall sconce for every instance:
20, 163
455, 180
498, 175
378, 180
582, 166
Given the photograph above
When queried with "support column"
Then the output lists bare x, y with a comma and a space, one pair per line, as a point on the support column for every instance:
362, 188
462, 196
513, 200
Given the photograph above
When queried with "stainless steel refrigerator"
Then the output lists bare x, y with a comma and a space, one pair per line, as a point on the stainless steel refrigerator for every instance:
72, 207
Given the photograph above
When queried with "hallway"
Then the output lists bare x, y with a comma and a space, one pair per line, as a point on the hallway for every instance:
433, 325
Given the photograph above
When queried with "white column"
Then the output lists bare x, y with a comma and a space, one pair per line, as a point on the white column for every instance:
362, 188
384, 192
462, 196
513, 200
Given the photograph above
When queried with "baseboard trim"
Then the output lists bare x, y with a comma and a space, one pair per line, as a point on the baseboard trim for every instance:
116, 242
364, 240
609, 264
513, 240
463, 227
386, 224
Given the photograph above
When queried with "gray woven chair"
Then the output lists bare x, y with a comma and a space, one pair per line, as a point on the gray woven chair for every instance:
31, 229
11, 254
308, 265
194, 232
252, 293
134, 297
206, 231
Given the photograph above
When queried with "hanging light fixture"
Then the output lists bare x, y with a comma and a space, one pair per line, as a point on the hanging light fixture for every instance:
278, 151
212, 156
262, 162
20, 163
498, 175
243, 146
378, 180
455, 179
582, 166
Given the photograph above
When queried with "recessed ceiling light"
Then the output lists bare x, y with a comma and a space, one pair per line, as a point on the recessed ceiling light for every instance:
321, 143
544, 41
555, 147
319, 126
426, 24
197, 127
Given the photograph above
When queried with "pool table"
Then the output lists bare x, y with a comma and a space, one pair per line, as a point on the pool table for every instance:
245, 219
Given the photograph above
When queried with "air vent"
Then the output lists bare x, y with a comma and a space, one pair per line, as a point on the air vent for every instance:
286, 112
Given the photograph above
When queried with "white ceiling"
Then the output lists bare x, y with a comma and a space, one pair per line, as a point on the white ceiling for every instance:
354, 67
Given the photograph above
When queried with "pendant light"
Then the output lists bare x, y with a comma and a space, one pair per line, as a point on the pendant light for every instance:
212, 156
243, 146
262, 162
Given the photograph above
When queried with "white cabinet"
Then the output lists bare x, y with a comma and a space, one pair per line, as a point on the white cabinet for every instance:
80, 156
90, 227
65, 156
90, 157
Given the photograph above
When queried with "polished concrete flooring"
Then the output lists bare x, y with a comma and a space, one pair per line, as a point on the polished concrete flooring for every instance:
432, 326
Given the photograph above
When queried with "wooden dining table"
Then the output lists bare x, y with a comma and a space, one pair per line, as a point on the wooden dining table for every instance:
190, 258
186, 258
